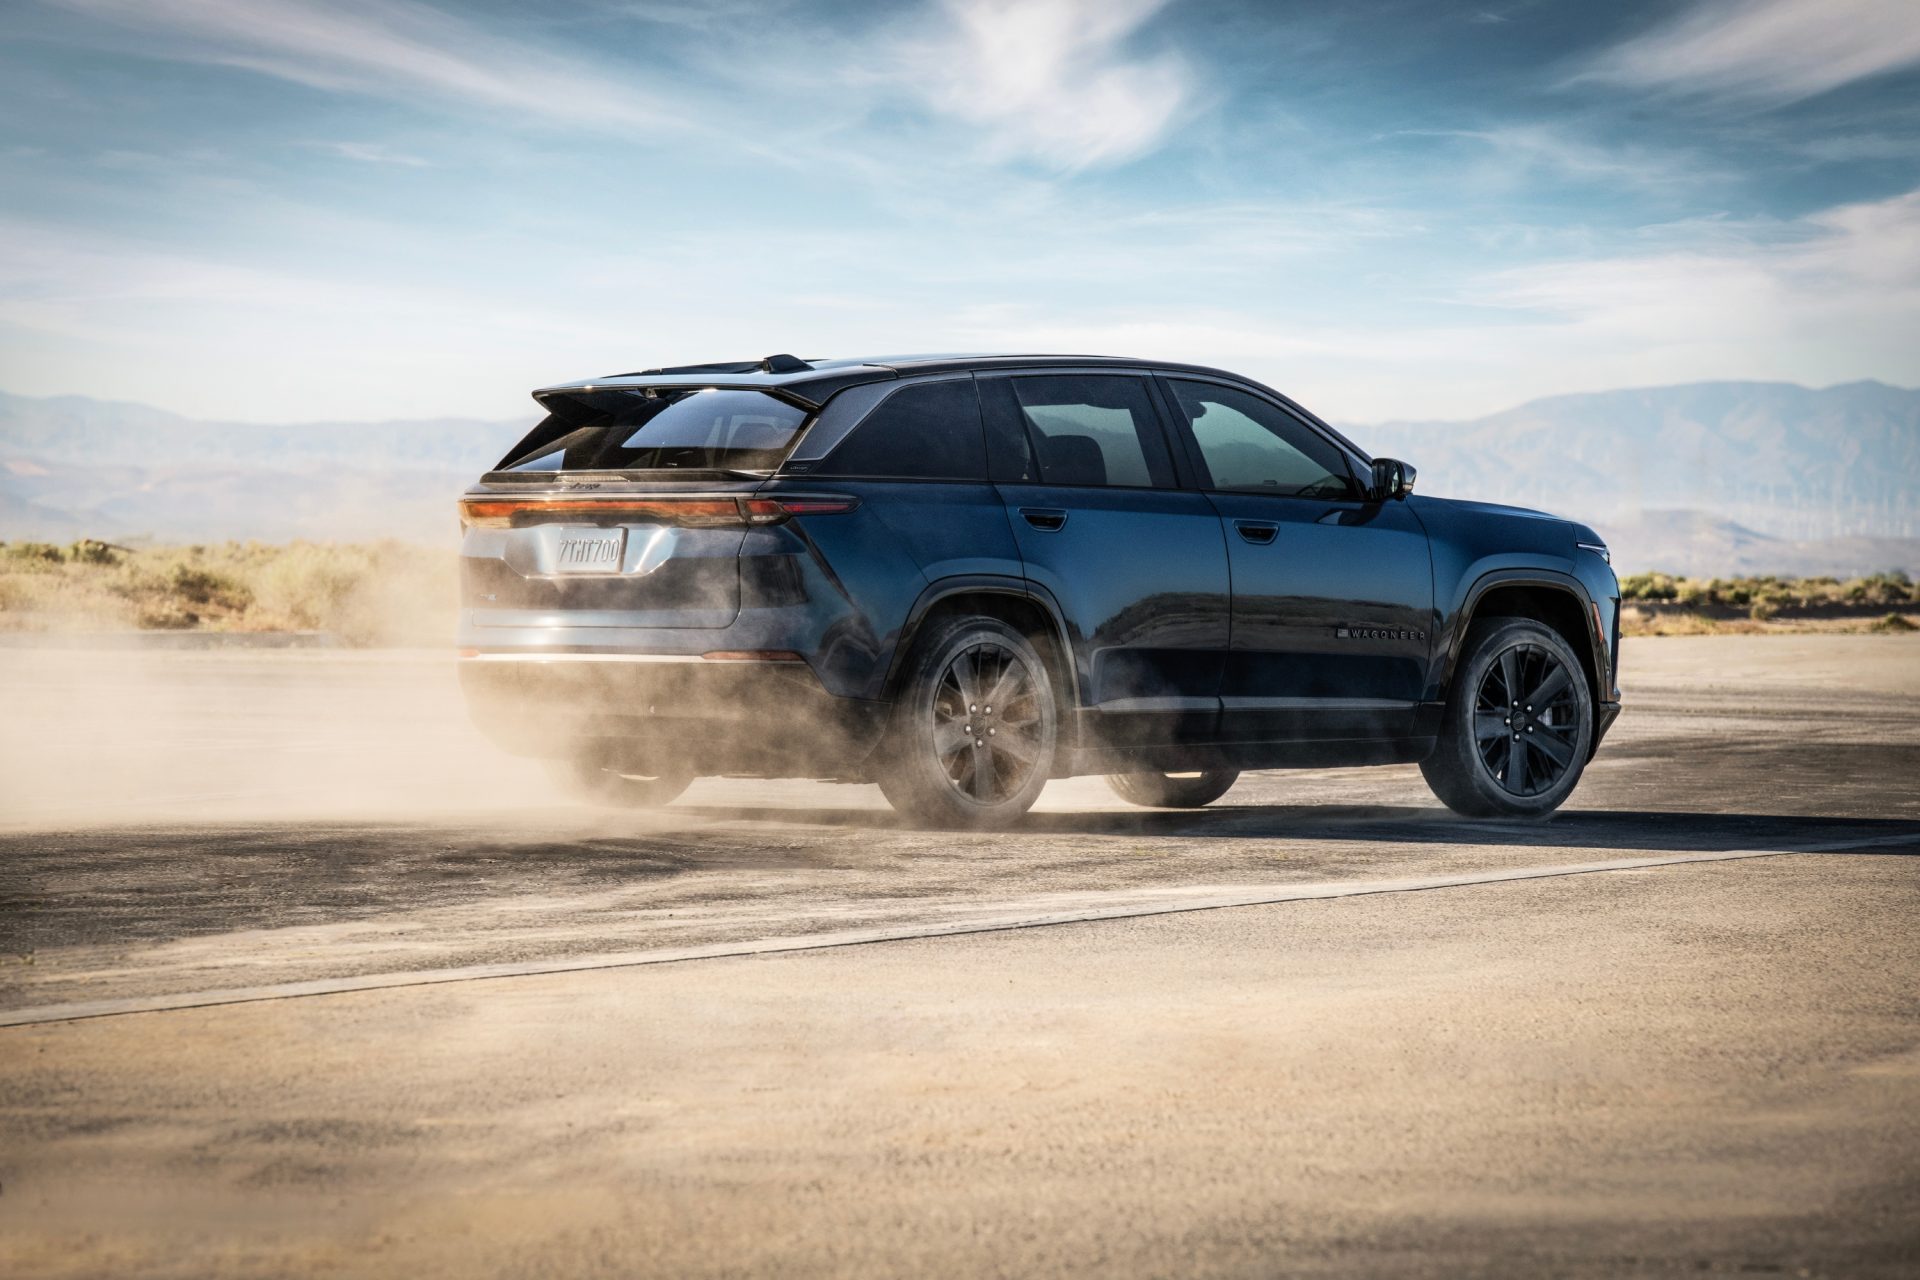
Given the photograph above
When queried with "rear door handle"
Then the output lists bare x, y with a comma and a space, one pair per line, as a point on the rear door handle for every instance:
1259, 531
1049, 519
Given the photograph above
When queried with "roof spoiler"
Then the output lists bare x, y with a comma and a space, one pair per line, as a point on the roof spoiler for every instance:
781, 363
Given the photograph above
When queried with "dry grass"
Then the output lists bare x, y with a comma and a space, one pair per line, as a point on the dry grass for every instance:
378, 593
1635, 621
1889, 590
1659, 604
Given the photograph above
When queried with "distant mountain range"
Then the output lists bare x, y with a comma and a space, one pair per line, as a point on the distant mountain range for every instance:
73, 467
1707, 478
1710, 477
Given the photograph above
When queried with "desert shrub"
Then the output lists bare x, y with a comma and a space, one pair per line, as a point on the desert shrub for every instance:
1763, 611
1874, 590
1894, 622
1888, 588
208, 587
1647, 586
166, 615
44, 552
88, 551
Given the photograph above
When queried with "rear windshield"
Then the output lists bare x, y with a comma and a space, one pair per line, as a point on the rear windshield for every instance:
648, 429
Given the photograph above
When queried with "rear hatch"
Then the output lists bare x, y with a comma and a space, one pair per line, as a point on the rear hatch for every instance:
626, 507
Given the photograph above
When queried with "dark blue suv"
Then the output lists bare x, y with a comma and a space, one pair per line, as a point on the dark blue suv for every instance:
959, 577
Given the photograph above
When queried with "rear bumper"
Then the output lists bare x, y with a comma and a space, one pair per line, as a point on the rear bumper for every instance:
651, 713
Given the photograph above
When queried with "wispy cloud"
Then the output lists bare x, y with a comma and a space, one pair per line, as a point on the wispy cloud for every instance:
372, 153
1767, 50
393, 48
1840, 288
1827, 298
1525, 149
1049, 79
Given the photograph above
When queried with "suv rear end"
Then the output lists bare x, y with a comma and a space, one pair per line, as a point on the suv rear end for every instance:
637, 593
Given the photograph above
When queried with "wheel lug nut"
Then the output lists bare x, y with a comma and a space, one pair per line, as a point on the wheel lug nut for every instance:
971, 707
991, 732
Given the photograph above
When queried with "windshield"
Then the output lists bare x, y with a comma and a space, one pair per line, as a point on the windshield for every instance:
648, 429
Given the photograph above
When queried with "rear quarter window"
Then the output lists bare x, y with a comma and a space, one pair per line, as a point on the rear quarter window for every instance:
928, 431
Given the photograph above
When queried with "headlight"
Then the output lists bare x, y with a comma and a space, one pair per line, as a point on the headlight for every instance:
1598, 548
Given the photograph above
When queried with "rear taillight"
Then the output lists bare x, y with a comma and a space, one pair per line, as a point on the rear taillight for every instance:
506, 513
808, 506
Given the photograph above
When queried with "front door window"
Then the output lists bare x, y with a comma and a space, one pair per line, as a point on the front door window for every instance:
1251, 446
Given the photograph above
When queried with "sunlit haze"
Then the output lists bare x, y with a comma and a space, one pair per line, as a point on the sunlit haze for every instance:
275, 210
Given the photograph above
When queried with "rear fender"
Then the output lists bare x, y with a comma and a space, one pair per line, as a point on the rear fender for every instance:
1027, 594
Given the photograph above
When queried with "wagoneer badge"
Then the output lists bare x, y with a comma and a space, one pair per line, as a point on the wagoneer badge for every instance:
1377, 633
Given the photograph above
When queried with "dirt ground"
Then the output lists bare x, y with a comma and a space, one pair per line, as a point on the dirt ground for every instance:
1406, 1059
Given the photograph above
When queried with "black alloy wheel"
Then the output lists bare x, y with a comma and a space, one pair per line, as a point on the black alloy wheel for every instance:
1518, 724
974, 728
986, 723
1524, 719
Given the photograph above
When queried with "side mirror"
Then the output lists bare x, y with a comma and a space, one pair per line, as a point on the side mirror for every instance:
1392, 478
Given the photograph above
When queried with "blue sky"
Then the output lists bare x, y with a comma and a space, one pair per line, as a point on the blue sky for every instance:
284, 210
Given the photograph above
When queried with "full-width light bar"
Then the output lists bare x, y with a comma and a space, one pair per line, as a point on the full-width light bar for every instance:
702, 512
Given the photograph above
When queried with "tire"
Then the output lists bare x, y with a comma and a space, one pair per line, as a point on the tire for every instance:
1518, 724
587, 781
956, 757
1173, 790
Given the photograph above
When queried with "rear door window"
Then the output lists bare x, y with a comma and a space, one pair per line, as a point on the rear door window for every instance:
1252, 446
926, 431
663, 429
1096, 430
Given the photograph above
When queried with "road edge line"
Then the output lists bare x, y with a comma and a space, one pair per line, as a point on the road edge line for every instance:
81, 1011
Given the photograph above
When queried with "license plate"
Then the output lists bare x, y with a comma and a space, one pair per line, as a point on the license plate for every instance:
591, 550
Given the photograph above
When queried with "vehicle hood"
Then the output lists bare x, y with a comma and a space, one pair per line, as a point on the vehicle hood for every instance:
1467, 505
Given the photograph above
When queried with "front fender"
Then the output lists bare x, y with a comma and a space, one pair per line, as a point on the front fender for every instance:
1597, 611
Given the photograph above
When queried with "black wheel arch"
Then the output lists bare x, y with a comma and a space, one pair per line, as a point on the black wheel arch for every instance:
1555, 600
1030, 609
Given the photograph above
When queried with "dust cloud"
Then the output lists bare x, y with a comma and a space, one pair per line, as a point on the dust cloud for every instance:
95, 736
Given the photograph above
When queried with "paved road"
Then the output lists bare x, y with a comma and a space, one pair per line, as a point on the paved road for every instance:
1695, 1065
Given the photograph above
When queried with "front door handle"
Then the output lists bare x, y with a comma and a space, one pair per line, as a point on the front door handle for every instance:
1257, 531
1048, 519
